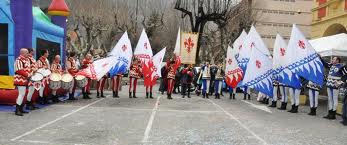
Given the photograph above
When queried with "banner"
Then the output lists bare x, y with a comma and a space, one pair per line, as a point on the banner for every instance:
252, 40
237, 45
259, 73
99, 68
303, 59
280, 57
152, 71
233, 73
189, 43
123, 53
143, 48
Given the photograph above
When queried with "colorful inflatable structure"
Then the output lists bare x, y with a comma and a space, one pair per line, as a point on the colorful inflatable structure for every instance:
25, 26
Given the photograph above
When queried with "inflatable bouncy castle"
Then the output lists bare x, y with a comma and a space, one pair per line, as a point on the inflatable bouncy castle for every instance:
25, 26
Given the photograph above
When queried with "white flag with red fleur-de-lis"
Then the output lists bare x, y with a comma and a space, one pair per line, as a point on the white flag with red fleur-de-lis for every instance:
238, 43
189, 43
233, 73
123, 53
303, 59
143, 49
259, 72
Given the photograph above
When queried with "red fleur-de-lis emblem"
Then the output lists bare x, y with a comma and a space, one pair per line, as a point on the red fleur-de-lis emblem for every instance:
189, 44
252, 44
124, 48
154, 69
146, 45
302, 44
240, 47
282, 51
258, 63
230, 61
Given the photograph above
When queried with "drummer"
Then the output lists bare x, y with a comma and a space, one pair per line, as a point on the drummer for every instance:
31, 89
87, 61
56, 68
43, 63
71, 67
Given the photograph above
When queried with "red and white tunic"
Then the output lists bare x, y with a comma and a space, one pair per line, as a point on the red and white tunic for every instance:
171, 72
86, 63
135, 71
43, 63
22, 70
56, 68
32, 62
71, 66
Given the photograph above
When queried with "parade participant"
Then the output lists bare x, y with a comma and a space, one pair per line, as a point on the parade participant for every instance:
284, 96
163, 80
116, 85
100, 87
333, 84
313, 93
56, 68
87, 61
205, 77
173, 65
344, 94
213, 72
23, 72
178, 77
135, 73
31, 89
43, 63
232, 93
295, 96
218, 83
71, 67
187, 80
275, 92
246, 92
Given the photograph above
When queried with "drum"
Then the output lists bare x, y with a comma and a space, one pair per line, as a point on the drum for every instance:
54, 81
36, 79
44, 72
81, 81
66, 81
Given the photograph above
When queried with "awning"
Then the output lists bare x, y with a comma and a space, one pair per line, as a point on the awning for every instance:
335, 45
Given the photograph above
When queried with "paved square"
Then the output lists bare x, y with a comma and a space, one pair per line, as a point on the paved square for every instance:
160, 121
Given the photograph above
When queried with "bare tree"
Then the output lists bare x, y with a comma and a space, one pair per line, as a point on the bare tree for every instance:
200, 12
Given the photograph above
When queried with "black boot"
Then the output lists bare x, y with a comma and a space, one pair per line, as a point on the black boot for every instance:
169, 96
22, 109
18, 112
273, 105
147, 95
207, 95
188, 94
203, 95
249, 97
295, 109
231, 96
102, 95
283, 106
333, 115
55, 99
117, 96
130, 95
312, 111
244, 96
151, 95
30, 106
85, 95
72, 97
134, 95
97, 95
234, 96
263, 101
113, 94
267, 101
329, 115
292, 109
46, 100
41, 100
344, 122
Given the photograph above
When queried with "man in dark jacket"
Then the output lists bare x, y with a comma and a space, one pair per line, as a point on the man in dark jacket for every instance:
187, 79
163, 81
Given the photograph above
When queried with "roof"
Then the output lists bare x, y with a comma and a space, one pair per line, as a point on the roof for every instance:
58, 7
43, 23
334, 45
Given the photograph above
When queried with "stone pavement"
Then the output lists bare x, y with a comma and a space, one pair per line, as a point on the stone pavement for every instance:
160, 121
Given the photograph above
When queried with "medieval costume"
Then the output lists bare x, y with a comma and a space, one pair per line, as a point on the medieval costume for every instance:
135, 74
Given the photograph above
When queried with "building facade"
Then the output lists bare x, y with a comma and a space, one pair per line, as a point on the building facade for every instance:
278, 16
329, 18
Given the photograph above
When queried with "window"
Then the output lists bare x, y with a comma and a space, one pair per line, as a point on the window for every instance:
4, 49
52, 47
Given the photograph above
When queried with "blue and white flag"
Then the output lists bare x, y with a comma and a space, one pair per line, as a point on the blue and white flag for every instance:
123, 54
259, 72
252, 40
280, 57
238, 43
303, 59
